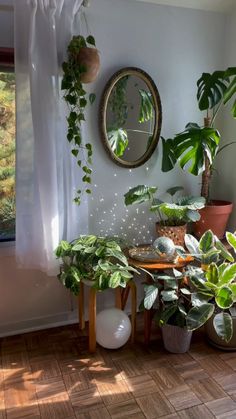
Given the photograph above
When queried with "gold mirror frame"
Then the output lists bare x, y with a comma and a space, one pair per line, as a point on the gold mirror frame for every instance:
157, 108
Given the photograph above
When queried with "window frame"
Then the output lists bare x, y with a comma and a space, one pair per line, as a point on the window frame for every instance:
7, 64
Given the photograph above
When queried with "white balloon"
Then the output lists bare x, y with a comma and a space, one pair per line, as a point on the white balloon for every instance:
113, 328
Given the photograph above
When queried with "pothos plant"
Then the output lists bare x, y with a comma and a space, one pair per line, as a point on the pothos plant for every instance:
76, 99
99, 260
196, 148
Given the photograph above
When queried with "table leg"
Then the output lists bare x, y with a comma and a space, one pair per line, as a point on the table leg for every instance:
133, 289
118, 292
81, 307
92, 320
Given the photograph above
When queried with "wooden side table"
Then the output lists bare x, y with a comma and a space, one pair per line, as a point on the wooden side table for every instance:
121, 297
152, 267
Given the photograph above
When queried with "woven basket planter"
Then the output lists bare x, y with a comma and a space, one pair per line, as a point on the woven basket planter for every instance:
176, 339
175, 233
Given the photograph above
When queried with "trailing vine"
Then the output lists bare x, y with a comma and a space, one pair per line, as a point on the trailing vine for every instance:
76, 99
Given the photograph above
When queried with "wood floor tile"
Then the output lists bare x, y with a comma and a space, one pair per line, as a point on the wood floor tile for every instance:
141, 385
101, 413
227, 382
214, 365
179, 359
183, 398
77, 381
154, 405
86, 400
129, 367
207, 390
46, 369
125, 410
52, 387
166, 378
20, 393
191, 371
59, 407
196, 412
31, 412
15, 364
231, 362
222, 406
114, 392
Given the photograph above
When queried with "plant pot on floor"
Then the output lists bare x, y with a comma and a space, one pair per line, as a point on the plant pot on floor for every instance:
214, 217
215, 340
176, 339
175, 233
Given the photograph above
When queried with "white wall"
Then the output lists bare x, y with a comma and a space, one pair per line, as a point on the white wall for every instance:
225, 177
174, 46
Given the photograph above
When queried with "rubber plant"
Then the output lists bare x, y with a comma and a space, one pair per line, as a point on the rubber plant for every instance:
76, 98
196, 148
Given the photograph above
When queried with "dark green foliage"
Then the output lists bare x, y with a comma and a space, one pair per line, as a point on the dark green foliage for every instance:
75, 97
97, 259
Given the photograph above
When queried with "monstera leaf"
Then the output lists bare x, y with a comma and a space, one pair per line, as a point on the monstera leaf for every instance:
191, 145
146, 107
118, 140
168, 155
211, 89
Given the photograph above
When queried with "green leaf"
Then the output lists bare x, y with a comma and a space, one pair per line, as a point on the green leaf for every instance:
139, 194
169, 296
231, 239
211, 89
91, 40
223, 251
168, 155
212, 273
224, 297
168, 312
228, 274
118, 141
207, 241
151, 293
174, 190
192, 244
75, 152
198, 316
223, 326
199, 298
92, 98
114, 281
146, 108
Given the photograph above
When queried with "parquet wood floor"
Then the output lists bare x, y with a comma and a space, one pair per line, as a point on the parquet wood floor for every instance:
50, 375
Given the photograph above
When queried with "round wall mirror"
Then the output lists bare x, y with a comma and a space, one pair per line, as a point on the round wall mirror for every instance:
130, 117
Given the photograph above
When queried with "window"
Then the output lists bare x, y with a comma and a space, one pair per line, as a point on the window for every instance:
7, 145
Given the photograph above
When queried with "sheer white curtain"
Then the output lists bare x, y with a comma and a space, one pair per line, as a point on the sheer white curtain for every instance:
46, 175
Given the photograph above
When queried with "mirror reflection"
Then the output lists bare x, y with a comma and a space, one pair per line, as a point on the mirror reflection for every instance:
131, 116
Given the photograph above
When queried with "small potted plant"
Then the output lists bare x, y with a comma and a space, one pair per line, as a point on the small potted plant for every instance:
82, 66
97, 261
196, 148
172, 216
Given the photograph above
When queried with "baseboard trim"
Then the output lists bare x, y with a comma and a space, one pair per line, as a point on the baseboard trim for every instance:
39, 323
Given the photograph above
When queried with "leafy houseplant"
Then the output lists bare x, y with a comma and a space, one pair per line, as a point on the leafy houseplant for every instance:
196, 148
170, 214
98, 260
199, 295
82, 61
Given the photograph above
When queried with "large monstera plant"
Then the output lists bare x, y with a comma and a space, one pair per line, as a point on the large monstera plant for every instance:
196, 147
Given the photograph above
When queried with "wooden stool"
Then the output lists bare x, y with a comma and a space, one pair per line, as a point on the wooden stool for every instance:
121, 298
156, 267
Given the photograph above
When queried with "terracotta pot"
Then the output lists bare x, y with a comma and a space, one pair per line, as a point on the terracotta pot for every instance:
176, 339
89, 58
213, 217
175, 233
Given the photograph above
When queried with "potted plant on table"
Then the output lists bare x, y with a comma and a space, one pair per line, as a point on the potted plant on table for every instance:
172, 216
82, 66
196, 148
97, 261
